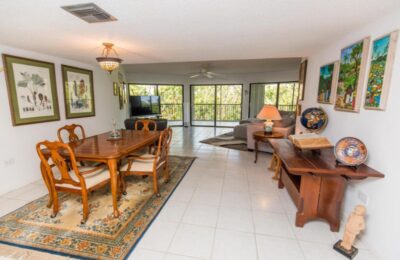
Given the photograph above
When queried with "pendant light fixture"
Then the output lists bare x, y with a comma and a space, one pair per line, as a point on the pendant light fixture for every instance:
106, 61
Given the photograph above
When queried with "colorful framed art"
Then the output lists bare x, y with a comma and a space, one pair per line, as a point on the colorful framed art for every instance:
380, 71
32, 90
353, 62
78, 92
328, 77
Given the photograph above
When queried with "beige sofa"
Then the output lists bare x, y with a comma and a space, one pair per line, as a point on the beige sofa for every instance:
246, 128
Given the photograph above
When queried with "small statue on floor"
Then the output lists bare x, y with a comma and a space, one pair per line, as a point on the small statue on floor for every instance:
355, 224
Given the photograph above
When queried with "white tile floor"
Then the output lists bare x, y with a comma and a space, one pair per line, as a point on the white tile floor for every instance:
226, 207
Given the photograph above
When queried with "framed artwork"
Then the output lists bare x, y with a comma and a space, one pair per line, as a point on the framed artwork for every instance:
125, 87
353, 62
78, 92
380, 71
115, 88
121, 96
302, 78
327, 82
32, 90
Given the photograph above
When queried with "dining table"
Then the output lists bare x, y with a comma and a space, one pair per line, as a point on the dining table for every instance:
110, 151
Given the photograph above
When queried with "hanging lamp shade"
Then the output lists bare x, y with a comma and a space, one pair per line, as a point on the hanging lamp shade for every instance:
106, 61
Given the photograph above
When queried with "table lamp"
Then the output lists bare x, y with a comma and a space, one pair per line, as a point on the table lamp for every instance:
269, 113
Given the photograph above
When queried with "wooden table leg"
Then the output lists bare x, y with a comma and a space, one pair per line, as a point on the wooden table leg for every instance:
112, 166
272, 164
255, 150
278, 165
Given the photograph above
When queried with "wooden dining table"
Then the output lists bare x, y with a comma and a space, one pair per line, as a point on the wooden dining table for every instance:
101, 148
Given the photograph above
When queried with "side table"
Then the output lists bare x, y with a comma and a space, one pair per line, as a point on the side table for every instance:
261, 136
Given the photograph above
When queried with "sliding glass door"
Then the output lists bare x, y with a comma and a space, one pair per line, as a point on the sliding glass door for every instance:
283, 95
203, 105
171, 99
216, 105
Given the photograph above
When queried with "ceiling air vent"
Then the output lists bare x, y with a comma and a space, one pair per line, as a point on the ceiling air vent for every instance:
90, 13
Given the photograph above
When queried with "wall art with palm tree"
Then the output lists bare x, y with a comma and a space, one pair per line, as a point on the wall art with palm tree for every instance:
353, 61
380, 71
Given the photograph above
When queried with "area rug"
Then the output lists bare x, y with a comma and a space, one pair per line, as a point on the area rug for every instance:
103, 236
227, 141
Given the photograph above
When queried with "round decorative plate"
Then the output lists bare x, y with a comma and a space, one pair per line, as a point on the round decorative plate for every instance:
350, 151
314, 119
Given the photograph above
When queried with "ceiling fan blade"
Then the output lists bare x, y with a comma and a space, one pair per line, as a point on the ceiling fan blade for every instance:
194, 76
209, 76
213, 73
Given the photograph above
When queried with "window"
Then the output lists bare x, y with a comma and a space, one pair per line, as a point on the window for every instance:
283, 95
216, 105
171, 99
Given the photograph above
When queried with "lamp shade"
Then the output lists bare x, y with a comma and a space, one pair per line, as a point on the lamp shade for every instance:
269, 112
107, 62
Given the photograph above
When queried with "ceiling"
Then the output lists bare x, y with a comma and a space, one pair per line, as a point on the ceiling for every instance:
161, 31
222, 67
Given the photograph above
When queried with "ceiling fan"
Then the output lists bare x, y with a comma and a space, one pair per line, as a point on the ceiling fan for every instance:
205, 73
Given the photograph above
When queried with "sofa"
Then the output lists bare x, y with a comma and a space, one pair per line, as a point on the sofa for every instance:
161, 124
246, 128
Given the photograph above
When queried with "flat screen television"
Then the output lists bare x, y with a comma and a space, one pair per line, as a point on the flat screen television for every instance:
144, 105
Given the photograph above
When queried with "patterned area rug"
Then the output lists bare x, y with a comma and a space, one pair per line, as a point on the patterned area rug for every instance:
102, 237
227, 141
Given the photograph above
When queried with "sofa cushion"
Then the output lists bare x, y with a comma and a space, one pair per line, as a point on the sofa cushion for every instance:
285, 122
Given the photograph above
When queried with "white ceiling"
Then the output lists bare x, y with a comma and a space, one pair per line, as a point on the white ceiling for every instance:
160, 31
221, 67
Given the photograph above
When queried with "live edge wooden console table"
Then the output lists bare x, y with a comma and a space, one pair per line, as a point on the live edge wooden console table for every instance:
314, 182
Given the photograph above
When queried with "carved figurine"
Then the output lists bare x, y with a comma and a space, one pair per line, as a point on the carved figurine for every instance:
355, 224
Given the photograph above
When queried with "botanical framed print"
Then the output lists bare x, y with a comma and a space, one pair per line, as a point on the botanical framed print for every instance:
327, 82
353, 61
115, 89
78, 92
32, 90
302, 78
380, 71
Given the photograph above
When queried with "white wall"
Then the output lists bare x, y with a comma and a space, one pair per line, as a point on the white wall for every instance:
19, 162
245, 79
379, 131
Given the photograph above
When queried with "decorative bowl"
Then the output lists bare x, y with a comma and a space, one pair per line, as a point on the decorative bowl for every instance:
350, 151
314, 119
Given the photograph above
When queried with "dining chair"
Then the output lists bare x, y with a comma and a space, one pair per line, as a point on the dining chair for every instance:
144, 124
59, 177
72, 133
149, 164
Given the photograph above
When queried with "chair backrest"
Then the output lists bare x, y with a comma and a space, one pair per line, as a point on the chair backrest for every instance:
72, 135
169, 130
163, 147
55, 154
144, 124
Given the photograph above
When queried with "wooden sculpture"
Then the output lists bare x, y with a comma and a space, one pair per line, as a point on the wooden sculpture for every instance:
355, 224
